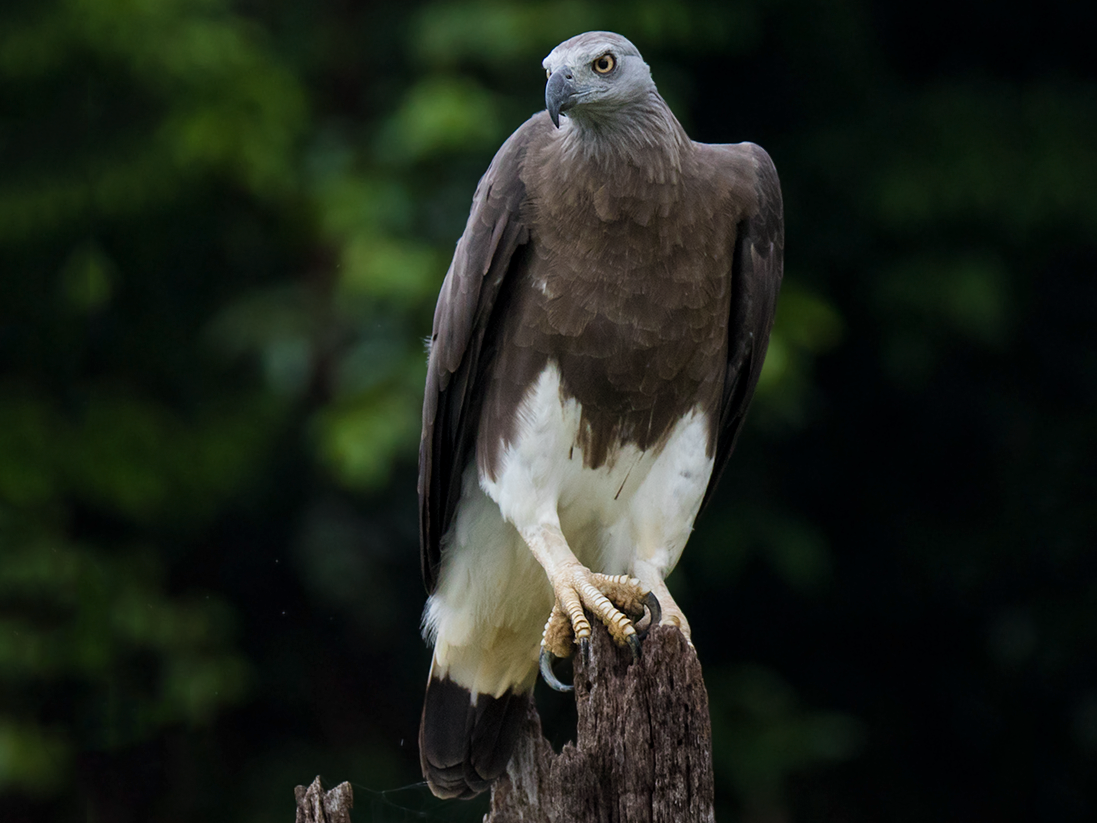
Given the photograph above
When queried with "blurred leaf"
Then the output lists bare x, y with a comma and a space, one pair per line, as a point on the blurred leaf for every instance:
799, 553
992, 152
360, 435
762, 736
378, 267
126, 455
221, 103
87, 280
440, 115
968, 291
133, 659
31, 758
807, 326
501, 33
350, 205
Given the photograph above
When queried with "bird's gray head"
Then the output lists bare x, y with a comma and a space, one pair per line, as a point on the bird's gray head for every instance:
595, 74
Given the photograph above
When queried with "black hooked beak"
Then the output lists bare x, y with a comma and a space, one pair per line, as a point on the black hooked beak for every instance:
559, 94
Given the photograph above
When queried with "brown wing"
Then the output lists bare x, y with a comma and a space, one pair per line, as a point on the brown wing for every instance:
462, 322
757, 268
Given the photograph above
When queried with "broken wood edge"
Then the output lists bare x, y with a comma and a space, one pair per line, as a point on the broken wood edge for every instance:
314, 805
643, 747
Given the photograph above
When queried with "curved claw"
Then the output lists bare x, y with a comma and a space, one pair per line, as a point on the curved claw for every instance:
547, 659
656, 612
652, 602
633, 641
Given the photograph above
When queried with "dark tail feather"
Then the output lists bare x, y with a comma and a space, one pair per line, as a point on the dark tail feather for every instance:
464, 746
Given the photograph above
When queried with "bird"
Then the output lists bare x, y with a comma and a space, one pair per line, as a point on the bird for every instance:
597, 340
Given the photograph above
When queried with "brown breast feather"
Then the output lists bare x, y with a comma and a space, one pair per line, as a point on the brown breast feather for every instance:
651, 284
626, 287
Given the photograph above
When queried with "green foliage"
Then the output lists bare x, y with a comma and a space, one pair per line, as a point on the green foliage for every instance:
202, 88
98, 630
1018, 157
124, 455
126, 111
441, 115
762, 735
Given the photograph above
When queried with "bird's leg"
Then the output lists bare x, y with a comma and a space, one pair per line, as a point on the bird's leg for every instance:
615, 600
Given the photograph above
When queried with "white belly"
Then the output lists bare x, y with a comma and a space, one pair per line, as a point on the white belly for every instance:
631, 515
638, 504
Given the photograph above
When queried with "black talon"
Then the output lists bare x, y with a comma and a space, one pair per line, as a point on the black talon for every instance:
652, 602
547, 659
584, 649
656, 612
633, 641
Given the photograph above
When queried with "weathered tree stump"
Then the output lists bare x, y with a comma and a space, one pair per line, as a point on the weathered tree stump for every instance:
643, 749
314, 805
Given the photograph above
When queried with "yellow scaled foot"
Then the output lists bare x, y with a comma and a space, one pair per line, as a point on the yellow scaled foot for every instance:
616, 600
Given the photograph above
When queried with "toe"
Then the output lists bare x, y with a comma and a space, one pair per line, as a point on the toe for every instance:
558, 637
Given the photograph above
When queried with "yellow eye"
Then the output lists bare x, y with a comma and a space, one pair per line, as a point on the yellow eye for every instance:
605, 64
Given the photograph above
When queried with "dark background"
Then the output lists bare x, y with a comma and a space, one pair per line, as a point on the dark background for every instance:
223, 226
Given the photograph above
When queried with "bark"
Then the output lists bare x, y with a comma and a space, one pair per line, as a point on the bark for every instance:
643, 749
314, 805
